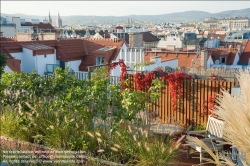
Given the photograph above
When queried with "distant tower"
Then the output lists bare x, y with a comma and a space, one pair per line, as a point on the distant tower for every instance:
50, 20
59, 21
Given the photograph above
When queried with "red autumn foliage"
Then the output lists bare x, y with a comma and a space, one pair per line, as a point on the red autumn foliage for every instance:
144, 82
211, 102
123, 71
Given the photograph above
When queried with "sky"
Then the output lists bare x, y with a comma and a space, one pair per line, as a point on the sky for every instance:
116, 8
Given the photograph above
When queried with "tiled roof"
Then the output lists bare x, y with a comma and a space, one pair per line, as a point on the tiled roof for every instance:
43, 26
245, 56
36, 46
83, 32
69, 49
10, 46
229, 54
14, 64
94, 45
38, 49
104, 34
27, 24
147, 37
184, 60
220, 36
3, 38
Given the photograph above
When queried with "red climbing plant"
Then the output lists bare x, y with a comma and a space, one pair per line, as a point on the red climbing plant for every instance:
144, 82
209, 105
122, 73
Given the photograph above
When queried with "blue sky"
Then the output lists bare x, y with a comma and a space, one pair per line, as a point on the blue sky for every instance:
116, 8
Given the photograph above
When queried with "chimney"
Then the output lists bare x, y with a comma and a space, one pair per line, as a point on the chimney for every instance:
135, 39
204, 58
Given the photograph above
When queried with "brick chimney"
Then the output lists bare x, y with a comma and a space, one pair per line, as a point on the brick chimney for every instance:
135, 39
204, 58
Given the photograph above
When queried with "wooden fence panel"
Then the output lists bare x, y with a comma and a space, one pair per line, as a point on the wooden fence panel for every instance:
203, 90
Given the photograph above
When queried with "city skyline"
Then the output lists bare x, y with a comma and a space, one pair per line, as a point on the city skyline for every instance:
117, 8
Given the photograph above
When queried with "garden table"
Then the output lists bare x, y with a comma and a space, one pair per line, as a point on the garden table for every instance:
166, 129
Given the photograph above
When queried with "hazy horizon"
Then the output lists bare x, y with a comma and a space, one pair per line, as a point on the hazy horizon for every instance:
116, 8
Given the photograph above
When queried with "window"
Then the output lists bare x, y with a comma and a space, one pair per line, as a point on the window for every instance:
99, 60
45, 56
222, 59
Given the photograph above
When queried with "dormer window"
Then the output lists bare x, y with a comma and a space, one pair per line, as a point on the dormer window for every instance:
99, 60
222, 60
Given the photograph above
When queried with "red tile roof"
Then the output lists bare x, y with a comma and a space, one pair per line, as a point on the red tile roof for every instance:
184, 59
69, 49
14, 64
245, 56
2, 38
93, 46
229, 54
220, 36
43, 26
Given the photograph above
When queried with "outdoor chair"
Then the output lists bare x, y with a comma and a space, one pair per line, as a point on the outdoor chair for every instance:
212, 138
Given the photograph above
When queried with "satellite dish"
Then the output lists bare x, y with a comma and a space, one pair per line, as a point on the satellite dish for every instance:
217, 62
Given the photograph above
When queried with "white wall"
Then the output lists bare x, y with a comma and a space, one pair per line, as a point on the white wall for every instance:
8, 31
41, 61
16, 20
170, 41
236, 59
221, 66
171, 63
7, 69
9, 19
74, 65
28, 61
26, 29
210, 62
212, 43
116, 71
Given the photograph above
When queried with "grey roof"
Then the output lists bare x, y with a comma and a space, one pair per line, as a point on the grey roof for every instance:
237, 35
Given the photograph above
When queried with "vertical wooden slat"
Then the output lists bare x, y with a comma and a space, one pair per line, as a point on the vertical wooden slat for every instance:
198, 102
185, 102
168, 104
205, 101
188, 103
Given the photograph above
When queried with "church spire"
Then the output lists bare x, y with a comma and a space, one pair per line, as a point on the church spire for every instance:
50, 20
59, 21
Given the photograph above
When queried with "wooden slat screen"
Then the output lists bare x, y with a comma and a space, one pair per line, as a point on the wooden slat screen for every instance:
203, 89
